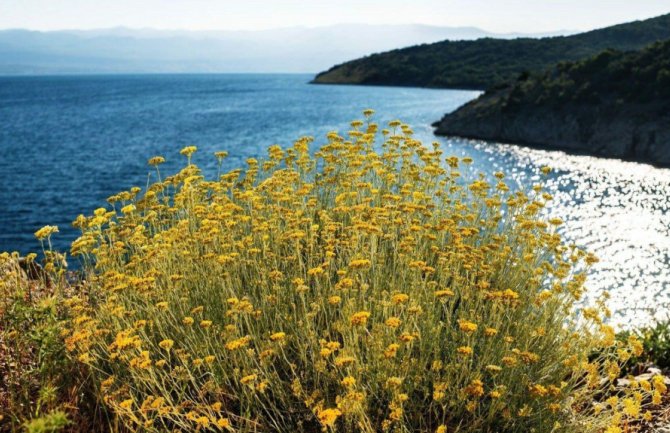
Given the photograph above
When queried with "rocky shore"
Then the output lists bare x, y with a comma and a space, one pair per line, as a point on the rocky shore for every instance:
612, 132
616, 105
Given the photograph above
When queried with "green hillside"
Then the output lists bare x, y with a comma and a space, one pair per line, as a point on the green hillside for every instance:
613, 104
485, 62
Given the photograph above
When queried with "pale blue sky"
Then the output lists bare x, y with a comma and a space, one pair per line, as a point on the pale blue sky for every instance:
493, 15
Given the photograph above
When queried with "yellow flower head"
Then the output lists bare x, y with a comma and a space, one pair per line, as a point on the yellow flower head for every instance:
360, 264
360, 318
156, 161
166, 344
348, 382
443, 293
393, 322
327, 417
205, 324
467, 326
45, 232
188, 150
464, 350
278, 336
400, 298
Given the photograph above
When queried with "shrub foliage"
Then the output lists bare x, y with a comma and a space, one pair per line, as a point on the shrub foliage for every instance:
371, 286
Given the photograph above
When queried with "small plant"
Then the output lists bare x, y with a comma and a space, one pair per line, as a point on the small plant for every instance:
52, 422
39, 382
655, 340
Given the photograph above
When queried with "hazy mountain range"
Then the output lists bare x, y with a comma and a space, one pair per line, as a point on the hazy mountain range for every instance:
295, 49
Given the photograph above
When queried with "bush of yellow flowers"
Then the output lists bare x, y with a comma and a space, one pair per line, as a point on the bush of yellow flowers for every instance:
374, 284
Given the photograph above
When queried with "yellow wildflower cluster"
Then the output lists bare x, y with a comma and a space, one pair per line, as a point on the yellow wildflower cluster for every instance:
371, 284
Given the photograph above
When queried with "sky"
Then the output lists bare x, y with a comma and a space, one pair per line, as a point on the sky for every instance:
502, 16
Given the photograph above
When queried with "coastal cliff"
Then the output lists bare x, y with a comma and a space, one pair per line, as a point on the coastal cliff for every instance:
616, 104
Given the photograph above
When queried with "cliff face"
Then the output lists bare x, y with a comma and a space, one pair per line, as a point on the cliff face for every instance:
485, 62
614, 105
635, 133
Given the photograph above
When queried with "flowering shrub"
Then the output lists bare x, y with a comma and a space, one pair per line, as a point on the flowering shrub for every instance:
41, 388
368, 287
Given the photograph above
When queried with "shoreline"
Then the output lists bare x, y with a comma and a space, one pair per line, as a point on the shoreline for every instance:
546, 147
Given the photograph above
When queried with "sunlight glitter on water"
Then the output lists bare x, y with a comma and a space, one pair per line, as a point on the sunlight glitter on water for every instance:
618, 210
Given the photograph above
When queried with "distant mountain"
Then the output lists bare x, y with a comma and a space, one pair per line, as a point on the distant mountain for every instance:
615, 104
482, 63
296, 49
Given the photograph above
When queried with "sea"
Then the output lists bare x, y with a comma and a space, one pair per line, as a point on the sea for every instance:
69, 142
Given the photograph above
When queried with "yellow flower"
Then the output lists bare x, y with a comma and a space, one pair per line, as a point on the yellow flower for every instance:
443, 293
360, 264
348, 381
334, 300
393, 322
467, 326
187, 320
538, 390
464, 350
656, 398
441, 429
126, 404
223, 423
248, 379
156, 161
277, 336
490, 332
237, 344
188, 150
166, 344
509, 361
631, 407
400, 298
659, 383
475, 389
391, 350
393, 382
493, 368
205, 324
635, 345
162, 305
344, 360
327, 417
108, 382
360, 318
45, 232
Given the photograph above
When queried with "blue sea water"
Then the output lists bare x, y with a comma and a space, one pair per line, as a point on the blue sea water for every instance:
67, 143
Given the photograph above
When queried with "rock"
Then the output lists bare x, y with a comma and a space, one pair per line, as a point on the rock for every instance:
605, 106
